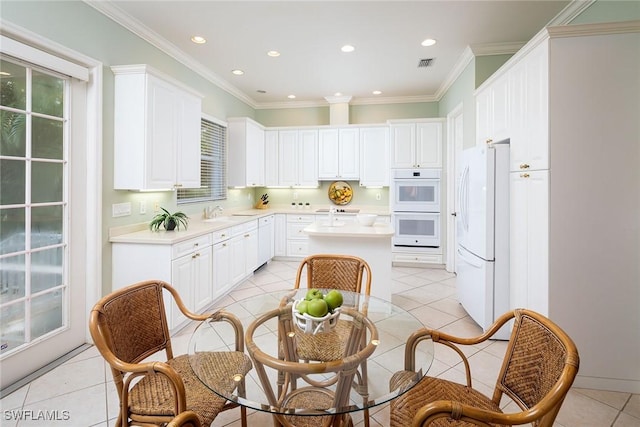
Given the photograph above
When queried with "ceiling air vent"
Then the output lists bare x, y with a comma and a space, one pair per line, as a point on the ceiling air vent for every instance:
428, 62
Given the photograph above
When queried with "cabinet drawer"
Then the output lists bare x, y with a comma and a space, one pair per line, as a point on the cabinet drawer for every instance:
220, 235
298, 248
267, 220
417, 258
302, 218
188, 246
243, 228
296, 231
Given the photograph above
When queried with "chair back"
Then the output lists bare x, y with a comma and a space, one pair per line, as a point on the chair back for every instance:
540, 365
329, 271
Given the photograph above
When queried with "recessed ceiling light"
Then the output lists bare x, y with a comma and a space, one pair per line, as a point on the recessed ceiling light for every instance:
347, 48
377, 92
237, 72
198, 39
273, 53
337, 94
291, 96
428, 42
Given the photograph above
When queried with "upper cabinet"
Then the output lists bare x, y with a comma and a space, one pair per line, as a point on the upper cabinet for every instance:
156, 131
338, 153
246, 153
492, 112
374, 167
416, 144
298, 157
271, 150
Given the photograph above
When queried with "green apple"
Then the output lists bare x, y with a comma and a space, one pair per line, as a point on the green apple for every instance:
317, 307
313, 293
302, 306
333, 299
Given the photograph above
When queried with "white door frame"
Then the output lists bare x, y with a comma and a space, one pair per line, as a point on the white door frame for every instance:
92, 159
454, 151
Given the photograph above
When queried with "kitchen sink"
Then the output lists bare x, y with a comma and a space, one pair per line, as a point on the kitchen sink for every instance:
339, 210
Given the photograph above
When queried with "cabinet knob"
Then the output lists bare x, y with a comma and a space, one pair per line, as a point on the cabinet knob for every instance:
524, 166
247, 235
196, 244
177, 185
489, 141
194, 256
524, 175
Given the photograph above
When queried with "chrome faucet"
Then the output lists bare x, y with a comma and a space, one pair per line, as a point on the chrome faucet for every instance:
212, 212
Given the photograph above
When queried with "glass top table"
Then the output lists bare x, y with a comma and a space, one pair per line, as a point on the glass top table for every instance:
266, 321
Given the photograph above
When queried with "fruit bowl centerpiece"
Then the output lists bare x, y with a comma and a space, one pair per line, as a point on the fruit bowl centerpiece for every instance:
317, 312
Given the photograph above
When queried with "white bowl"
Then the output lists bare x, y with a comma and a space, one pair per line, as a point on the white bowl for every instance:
311, 324
367, 219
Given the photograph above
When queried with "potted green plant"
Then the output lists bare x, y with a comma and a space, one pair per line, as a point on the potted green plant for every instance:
168, 220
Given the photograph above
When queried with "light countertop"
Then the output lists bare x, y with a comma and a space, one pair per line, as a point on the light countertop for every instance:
141, 234
348, 229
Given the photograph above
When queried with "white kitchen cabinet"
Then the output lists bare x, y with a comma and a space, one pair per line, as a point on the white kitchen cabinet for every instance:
297, 239
266, 237
298, 157
244, 250
338, 153
221, 262
492, 112
529, 225
416, 144
186, 265
246, 153
156, 131
271, 158
280, 238
374, 167
191, 275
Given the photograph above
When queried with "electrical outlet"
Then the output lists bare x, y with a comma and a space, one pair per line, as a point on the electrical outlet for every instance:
295, 195
249, 197
121, 209
156, 207
143, 207
377, 196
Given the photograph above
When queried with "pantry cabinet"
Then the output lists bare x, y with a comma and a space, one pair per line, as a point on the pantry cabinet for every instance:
246, 153
416, 144
573, 221
298, 157
338, 153
156, 131
374, 167
493, 112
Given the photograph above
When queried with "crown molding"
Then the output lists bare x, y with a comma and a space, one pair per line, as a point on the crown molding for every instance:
598, 29
464, 60
488, 49
570, 12
116, 14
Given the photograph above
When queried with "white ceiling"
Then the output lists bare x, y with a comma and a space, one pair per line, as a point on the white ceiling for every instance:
309, 34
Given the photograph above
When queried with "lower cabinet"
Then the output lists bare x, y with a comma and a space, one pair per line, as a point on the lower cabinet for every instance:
297, 240
191, 275
244, 250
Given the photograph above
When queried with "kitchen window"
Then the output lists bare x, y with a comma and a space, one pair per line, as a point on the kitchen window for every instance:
213, 164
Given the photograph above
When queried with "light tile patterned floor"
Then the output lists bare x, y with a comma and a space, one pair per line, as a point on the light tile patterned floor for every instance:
82, 392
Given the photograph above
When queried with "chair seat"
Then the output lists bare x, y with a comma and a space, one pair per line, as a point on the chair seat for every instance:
312, 398
153, 396
430, 389
325, 346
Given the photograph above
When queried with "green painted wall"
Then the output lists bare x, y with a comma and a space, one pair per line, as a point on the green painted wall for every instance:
487, 65
609, 11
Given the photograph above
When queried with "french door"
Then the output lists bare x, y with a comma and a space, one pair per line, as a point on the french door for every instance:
42, 182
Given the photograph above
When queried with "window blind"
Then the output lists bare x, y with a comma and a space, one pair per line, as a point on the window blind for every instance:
213, 165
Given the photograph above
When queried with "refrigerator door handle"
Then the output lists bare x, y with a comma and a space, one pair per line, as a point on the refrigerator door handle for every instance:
471, 261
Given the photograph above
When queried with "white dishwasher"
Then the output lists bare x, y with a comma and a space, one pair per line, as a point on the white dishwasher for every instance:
266, 239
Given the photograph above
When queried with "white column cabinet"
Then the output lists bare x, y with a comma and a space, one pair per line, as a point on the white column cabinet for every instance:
374, 166
298, 157
338, 153
246, 153
271, 177
416, 144
493, 113
156, 131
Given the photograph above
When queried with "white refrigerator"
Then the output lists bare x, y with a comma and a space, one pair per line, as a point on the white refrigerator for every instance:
482, 227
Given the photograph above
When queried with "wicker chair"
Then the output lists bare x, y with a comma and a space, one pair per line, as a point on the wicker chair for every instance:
345, 273
312, 398
130, 325
185, 419
540, 364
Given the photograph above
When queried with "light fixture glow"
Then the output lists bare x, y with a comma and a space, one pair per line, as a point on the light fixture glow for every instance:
273, 53
237, 72
337, 94
347, 48
428, 42
4, 73
198, 39
376, 92
291, 96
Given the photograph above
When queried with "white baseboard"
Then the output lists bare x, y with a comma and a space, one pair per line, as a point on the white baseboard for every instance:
609, 384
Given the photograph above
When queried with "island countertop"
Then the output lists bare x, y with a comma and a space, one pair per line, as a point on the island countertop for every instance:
348, 229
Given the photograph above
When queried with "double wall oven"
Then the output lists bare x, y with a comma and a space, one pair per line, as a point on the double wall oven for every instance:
415, 203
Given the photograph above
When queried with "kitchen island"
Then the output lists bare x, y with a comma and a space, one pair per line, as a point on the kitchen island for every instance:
371, 243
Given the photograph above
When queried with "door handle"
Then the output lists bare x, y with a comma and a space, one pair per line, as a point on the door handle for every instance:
454, 214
